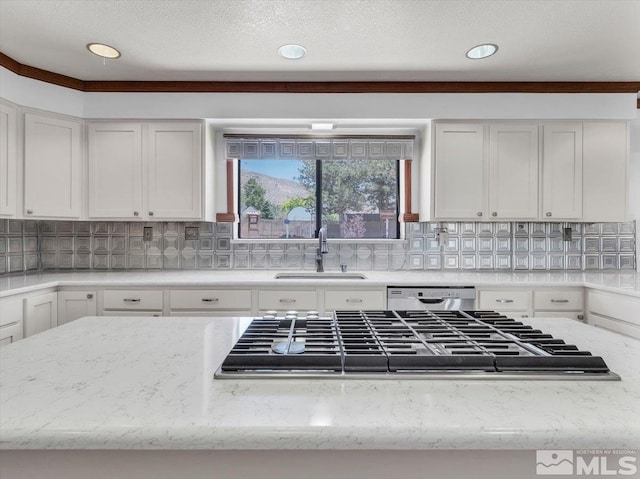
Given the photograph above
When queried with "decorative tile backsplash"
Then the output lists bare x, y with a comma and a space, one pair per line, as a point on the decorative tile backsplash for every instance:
98, 245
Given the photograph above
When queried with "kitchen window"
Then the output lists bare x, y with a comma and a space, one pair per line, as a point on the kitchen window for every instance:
289, 187
293, 198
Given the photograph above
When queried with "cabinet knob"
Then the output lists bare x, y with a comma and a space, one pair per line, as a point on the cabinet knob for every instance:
29, 212
90, 296
150, 213
479, 213
135, 213
494, 213
548, 213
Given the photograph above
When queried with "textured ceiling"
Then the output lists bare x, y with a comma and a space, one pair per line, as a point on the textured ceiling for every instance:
540, 40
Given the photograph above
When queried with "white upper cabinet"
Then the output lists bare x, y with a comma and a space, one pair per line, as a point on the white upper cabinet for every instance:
562, 171
486, 171
115, 170
513, 171
52, 167
174, 170
604, 171
147, 171
8, 159
461, 171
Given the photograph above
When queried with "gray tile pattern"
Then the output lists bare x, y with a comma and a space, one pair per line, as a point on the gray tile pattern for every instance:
100, 245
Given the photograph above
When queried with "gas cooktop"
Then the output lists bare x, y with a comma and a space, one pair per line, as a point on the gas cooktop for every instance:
405, 344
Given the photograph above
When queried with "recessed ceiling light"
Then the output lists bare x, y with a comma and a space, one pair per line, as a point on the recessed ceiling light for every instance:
322, 126
292, 51
102, 50
482, 51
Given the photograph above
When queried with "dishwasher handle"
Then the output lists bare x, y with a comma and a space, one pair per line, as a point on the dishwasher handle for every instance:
430, 300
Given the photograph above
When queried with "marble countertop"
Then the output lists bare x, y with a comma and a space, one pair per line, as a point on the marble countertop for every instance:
147, 383
617, 282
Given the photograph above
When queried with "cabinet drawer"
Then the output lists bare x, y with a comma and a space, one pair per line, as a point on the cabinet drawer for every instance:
354, 300
504, 300
558, 300
10, 333
133, 300
205, 299
284, 300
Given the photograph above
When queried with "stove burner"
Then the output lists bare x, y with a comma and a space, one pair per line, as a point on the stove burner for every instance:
401, 343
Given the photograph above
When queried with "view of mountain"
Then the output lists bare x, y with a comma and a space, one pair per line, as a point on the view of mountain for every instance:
278, 190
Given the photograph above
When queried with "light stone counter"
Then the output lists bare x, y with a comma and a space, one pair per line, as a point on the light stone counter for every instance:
107, 383
617, 282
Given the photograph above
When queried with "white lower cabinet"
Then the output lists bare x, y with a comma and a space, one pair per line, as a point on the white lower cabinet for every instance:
125, 302
11, 316
210, 302
513, 303
75, 304
354, 300
615, 312
287, 300
539, 302
559, 303
41, 313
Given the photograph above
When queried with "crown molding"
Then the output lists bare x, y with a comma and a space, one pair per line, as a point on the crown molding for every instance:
314, 87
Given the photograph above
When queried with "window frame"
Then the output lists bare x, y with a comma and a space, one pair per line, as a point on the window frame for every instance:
318, 205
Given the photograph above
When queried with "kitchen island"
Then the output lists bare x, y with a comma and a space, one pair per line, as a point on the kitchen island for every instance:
136, 396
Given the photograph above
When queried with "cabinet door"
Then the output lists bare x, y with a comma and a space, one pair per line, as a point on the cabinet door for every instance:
513, 169
461, 171
604, 168
11, 320
41, 313
115, 170
562, 171
8, 160
174, 170
75, 304
52, 167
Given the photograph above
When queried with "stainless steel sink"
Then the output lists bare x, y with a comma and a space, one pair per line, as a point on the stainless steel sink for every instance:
311, 275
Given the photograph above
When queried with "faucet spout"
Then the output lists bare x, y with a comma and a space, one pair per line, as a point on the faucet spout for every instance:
321, 250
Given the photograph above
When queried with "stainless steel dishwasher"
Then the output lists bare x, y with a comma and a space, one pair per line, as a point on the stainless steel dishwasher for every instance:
431, 297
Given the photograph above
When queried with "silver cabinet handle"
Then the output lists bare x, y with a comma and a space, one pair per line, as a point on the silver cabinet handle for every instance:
150, 213
354, 300
90, 296
210, 300
548, 213
135, 213
479, 213
131, 300
495, 213
504, 300
29, 212
559, 300
287, 300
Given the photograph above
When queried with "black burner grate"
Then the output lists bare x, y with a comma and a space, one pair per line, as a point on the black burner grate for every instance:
408, 341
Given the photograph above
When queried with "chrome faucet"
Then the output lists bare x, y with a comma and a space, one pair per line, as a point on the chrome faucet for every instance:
321, 250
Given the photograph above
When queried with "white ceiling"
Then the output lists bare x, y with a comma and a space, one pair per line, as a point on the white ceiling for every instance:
370, 40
